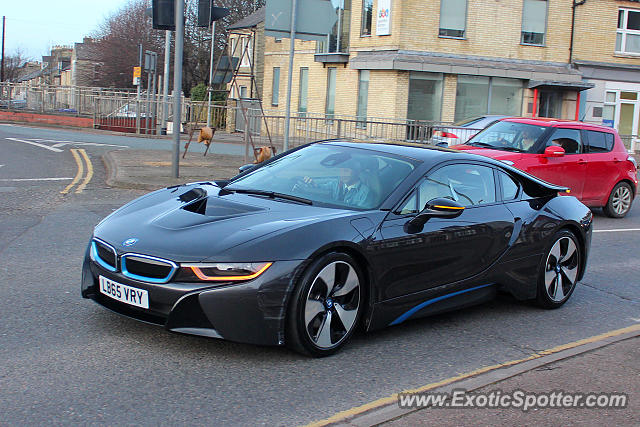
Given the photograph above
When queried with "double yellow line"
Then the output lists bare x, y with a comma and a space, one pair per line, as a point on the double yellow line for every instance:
79, 162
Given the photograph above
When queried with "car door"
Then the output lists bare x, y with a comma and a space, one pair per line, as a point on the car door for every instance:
569, 170
602, 168
445, 250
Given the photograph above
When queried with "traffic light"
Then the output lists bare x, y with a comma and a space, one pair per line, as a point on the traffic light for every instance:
207, 13
164, 14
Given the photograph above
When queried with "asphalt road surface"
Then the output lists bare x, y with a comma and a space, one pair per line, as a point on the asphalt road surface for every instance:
68, 360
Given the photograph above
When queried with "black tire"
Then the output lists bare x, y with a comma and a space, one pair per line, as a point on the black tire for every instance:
620, 200
305, 331
561, 264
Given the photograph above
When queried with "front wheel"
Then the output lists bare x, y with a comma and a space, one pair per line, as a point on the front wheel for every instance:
325, 306
559, 271
619, 203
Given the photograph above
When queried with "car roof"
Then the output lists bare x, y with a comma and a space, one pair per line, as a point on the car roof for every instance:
430, 155
551, 122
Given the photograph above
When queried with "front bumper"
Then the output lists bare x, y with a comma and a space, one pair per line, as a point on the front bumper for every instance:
249, 312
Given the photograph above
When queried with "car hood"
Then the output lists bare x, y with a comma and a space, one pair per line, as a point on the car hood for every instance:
487, 152
192, 223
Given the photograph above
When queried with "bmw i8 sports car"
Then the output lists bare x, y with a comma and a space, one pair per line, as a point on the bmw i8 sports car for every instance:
306, 247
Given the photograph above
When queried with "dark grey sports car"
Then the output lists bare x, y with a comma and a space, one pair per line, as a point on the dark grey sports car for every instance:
307, 246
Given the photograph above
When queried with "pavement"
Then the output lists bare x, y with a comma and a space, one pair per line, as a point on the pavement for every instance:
603, 365
151, 169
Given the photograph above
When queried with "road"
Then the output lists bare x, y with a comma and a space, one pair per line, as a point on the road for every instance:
67, 360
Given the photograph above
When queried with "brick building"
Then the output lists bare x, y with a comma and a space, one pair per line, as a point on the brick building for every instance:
445, 60
607, 52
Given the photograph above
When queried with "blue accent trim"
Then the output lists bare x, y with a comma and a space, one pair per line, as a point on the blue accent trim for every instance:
127, 273
419, 307
100, 261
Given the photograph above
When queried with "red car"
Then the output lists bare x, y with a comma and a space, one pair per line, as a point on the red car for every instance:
589, 159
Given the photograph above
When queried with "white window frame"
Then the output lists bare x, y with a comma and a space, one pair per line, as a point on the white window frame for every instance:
246, 46
623, 31
546, 27
464, 31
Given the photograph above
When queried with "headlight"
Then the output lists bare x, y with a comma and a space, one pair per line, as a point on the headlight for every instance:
221, 271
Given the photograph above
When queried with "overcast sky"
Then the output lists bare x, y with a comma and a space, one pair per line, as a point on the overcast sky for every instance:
36, 25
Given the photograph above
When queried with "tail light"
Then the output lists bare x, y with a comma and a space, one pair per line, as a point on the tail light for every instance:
444, 134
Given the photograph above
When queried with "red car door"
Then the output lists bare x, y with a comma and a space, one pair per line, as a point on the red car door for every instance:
569, 170
602, 167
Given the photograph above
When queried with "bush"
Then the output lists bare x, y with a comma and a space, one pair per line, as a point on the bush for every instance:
199, 92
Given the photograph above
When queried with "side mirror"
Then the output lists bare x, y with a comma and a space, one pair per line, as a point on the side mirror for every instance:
435, 208
244, 168
553, 151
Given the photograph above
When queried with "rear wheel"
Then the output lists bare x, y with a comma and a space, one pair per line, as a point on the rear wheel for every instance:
620, 199
558, 274
326, 306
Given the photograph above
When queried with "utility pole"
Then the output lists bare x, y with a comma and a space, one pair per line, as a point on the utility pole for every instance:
287, 119
165, 85
138, 89
2, 65
213, 38
177, 86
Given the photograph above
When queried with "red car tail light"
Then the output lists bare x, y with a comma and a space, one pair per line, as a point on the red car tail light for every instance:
444, 134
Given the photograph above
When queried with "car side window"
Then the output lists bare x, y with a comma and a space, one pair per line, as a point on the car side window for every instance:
569, 139
599, 142
410, 206
509, 187
468, 184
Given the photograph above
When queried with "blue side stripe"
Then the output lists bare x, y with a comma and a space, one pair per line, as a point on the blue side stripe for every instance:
420, 306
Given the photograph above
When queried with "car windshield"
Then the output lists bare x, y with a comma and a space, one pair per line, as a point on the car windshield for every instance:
331, 175
509, 136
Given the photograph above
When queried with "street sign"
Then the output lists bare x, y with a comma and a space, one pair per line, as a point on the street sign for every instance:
315, 18
150, 61
137, 73
225, 70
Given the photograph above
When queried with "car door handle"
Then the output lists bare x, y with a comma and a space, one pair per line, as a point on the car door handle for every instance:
582, 161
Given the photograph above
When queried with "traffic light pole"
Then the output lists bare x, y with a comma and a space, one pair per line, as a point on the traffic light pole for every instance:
177, 87
287, 120
213, 38
165, 82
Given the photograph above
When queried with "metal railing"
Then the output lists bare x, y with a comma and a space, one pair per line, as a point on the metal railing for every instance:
306, 128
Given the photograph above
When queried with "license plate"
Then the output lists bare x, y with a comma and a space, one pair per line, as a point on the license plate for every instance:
124, 293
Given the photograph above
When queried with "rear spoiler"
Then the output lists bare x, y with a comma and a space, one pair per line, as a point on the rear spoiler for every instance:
535, 186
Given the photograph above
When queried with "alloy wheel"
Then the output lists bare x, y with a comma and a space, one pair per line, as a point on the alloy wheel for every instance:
621, 200
331, 305
561, 270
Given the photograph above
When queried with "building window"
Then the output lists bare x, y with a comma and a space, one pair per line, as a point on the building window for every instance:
338, 39
247, 52
478, 95
367, 17
275, 87
534, 22
330, 104
363, 98
243, 92
453, 18
304, 88
425, 96
628, 35
609, 109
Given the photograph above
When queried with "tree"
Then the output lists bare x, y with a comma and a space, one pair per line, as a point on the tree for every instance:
14, 65
117, 39
116, 42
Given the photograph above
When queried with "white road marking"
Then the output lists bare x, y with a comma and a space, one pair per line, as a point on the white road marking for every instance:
57, 150
33, 179
1, 166
616, 230
94, 144
635, 320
